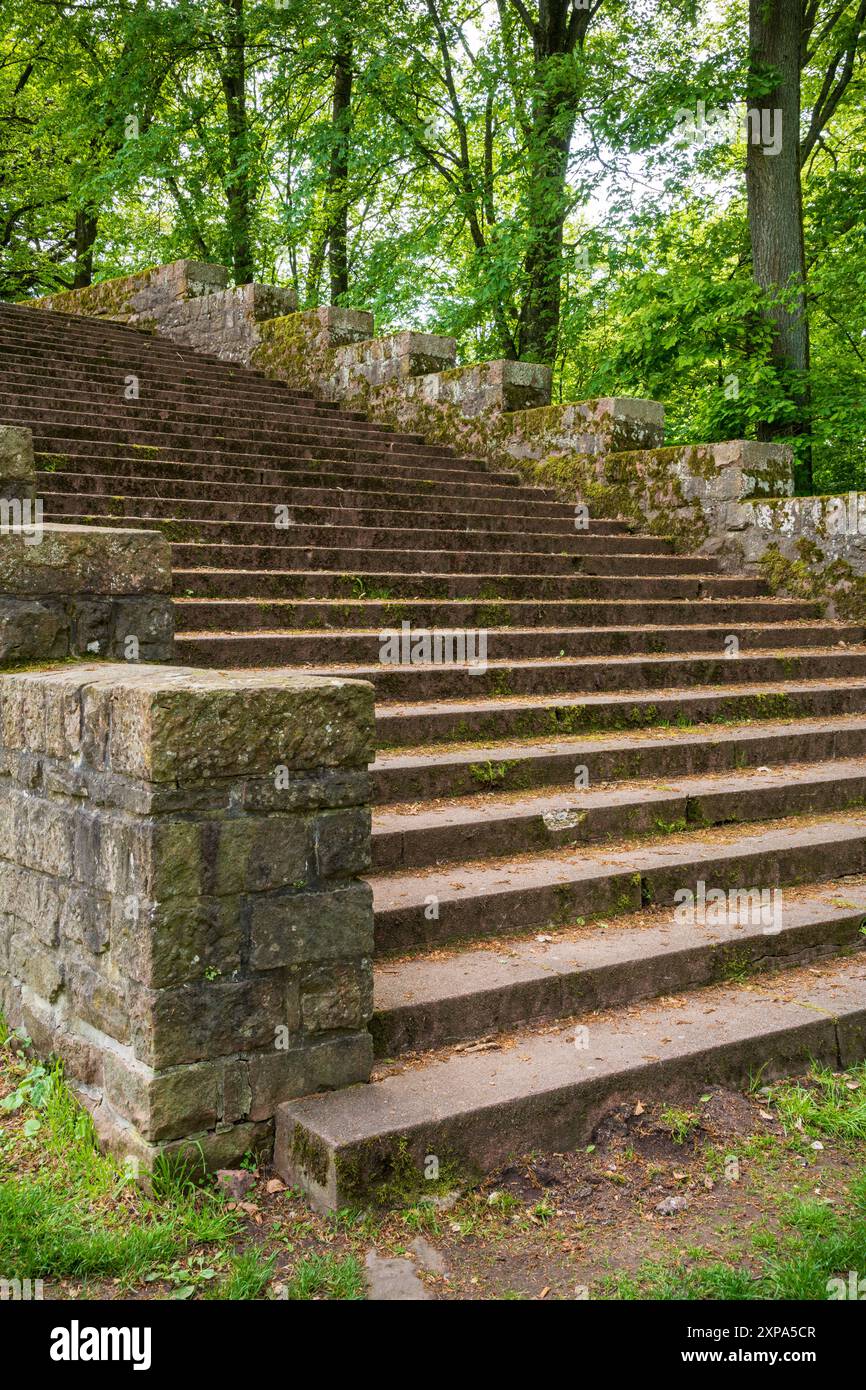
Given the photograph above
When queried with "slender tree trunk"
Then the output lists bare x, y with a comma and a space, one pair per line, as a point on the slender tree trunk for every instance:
238, 185
775, 198
338, 175
85, 237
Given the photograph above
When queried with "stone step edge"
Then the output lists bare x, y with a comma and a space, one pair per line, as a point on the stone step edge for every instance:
501, 766
422, 1003
458, 834
473, 1112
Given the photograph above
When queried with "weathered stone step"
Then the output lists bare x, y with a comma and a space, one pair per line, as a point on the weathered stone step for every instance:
191, 576
391, 512
188, 553
266, 646
49, 327
163, 361
424, 1003
481, 828
29, 321
411, 461
549, 676
134, 427
655, 752
417, 725
327, 505
216, 522
72, 404
332, 615
22, 366
474, 1111
331, 474
97, 443
422, 909
243, 399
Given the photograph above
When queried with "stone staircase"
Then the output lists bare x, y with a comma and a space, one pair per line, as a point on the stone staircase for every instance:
536, 819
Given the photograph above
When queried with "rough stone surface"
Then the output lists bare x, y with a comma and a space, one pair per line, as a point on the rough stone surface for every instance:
135, 861
73, 590
187, 301
17, 468
393, 1280
499, 411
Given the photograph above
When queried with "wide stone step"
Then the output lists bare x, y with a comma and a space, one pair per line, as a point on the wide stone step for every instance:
270, 527
244, 398
266, 647
191, 578
330, 474
164, 361
431, 775
476, 720
76, 404
393, 512
99, 444
423, 909
188, 553
101, 455
534, 678
423, 1003
133, 432
329, 505
23, 365
549, 1090
482, 826
216, 615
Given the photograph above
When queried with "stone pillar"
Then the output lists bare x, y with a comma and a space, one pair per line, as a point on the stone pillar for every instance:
70, 590
180, 915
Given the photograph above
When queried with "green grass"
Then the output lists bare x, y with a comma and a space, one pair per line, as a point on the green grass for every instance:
68, 1211
818, 1243
75, 1212
828, 1105
326, 1276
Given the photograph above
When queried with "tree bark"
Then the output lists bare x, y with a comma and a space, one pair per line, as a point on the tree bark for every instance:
338, 174
559, 30
775, 199
85, 238
233, 76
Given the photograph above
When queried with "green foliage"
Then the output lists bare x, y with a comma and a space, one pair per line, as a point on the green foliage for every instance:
489, 159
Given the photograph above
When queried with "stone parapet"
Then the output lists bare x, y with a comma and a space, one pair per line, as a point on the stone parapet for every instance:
181, 919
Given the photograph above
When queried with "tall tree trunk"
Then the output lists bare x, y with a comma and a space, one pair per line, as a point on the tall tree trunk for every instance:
775, 198
559, 32
538, 324
85, 238
338, 174
238, 185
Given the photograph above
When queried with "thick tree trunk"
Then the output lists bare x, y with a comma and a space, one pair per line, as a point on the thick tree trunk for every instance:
85, 237
559, 31
775, 196
238, 183
538, 325
338, 175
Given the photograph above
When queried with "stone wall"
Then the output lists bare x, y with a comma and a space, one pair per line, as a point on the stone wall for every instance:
187, 301
499, 411
180, 918
70, 590
808, 547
